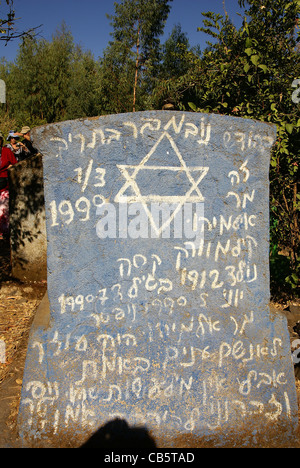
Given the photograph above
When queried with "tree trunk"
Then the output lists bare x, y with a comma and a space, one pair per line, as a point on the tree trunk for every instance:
136, 68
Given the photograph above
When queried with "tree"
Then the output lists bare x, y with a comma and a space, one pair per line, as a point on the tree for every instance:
116, 79
174, 59
39, 80
51, 81
179, 62
23, 99
84, 89
137, 26
54, 73
248, 72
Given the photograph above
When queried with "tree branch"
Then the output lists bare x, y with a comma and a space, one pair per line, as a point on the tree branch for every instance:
10, 35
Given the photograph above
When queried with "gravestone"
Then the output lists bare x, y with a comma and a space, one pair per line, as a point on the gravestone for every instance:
158, 283
2, 92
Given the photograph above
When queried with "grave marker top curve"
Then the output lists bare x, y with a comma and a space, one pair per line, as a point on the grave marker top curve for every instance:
158, 282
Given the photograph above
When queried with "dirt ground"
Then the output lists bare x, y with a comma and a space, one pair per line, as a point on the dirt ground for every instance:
18, 304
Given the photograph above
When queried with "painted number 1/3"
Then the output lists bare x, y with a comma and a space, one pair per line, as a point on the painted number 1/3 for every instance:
65, 211
83, 177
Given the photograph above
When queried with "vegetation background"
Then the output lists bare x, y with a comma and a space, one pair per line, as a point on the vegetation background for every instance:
252, 71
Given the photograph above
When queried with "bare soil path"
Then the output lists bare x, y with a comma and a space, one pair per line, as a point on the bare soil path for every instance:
18, 304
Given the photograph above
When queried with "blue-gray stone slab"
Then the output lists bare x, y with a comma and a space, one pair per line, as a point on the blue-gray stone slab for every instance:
161, 320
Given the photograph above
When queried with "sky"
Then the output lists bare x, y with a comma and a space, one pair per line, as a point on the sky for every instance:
87, 21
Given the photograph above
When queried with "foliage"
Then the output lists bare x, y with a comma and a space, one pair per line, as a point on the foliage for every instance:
248, 72
174, 60
132, 58
7, 123
84, 87
245, 72
51, 81
174, 70
117, 74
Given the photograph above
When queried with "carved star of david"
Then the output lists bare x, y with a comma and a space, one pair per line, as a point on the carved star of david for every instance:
193, 194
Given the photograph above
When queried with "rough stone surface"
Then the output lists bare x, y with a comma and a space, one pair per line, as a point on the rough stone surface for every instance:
27, 220
166, 331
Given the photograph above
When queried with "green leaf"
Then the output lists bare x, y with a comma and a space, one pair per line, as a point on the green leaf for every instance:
292, 280
295, 277
248, 51
289, 127
192, 106
264, 68
249, 110
255, 59
246, 68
